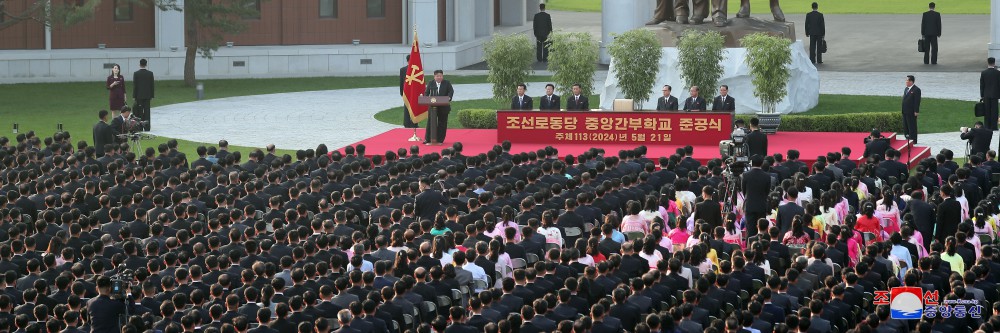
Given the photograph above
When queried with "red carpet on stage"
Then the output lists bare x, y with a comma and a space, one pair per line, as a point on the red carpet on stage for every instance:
475, 141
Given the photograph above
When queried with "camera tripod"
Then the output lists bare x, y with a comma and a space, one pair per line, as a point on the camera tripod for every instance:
134, 140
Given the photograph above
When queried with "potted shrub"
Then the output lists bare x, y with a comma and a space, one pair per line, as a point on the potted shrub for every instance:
509, 59
700, 57
636, 57
768, 58
573, 60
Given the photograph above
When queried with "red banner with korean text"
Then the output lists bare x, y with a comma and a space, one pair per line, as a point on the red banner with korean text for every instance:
640, 128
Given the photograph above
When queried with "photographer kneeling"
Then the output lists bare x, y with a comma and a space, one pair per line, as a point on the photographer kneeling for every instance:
876, 144
979, 139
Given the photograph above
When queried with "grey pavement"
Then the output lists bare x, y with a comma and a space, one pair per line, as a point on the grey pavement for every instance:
865, 42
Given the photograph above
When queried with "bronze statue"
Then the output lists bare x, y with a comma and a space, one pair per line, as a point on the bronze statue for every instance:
775, 10
664, 12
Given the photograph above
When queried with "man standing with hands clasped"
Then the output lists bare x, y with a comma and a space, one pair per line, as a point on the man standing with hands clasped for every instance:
911, 108
142, 92
989, 92
542, 27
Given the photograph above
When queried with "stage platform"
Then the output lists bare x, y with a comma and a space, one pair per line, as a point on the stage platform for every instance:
809, 144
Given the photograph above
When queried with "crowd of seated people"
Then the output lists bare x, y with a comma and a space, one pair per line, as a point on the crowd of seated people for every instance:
356, 241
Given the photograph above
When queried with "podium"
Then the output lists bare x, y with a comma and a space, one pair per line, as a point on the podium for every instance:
434, 102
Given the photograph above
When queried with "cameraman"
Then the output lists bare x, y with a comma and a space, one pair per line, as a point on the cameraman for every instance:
875, 144
120, 125
104, 311
979, 138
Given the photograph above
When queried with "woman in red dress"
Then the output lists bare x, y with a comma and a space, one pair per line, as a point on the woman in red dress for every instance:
116, 88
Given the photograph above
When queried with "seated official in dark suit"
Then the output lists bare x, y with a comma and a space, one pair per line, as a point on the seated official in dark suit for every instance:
550, 101
667, 102
521, 101
724, 102
577, 102
979, 138
695, 102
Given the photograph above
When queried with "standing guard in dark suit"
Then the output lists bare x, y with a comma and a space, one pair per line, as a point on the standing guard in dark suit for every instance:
911, 108
756, 140
439, 87
577, 102
550, 101
142, 92
695, 102
668, 102
979, 138
724, 102
542, 27
930, 29
103, 134
815, 30
756, 186
407, 122
521, 101
989, 92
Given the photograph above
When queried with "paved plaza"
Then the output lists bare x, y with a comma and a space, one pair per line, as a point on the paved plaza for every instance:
866, 58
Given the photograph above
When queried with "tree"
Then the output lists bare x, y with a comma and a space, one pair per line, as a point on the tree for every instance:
509, 58
573, 60
60, 14
636, 55
700, 56
206, 22
768, 58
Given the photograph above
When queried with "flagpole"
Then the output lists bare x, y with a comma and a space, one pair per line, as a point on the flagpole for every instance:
414, 138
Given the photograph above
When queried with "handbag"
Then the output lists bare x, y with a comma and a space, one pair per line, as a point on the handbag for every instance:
980, 109
921, 45
822, 46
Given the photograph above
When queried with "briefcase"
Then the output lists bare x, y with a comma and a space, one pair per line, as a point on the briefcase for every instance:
980, 109
822, 46
921, 45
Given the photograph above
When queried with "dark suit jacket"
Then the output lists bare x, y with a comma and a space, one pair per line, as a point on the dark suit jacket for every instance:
549, 102
949, 215
444, 90
815, 25
102, 135
979, 138
118, 125
756, 143
877, 146
666, 103
542, 25
694, 103
756, 186
402, 78
989, 83
142, 84
581, 104
930, 24
526, 104
710, 211
728, 105
911, 101
785, 214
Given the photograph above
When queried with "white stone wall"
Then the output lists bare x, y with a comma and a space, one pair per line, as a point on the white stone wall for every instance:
803, 86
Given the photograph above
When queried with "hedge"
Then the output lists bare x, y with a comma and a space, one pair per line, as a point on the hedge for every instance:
478, 118
848, 122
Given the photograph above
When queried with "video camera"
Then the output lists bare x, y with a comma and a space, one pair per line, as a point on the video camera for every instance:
735, 148
121, 282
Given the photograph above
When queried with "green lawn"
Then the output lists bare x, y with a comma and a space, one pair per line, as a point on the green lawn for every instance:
828, 7
939, 115
41, 106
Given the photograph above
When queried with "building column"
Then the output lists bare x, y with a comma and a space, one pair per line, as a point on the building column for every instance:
465, 20
484, 18
531, 8
512, 13
619, 16
170, 28
994, 46
424, 15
